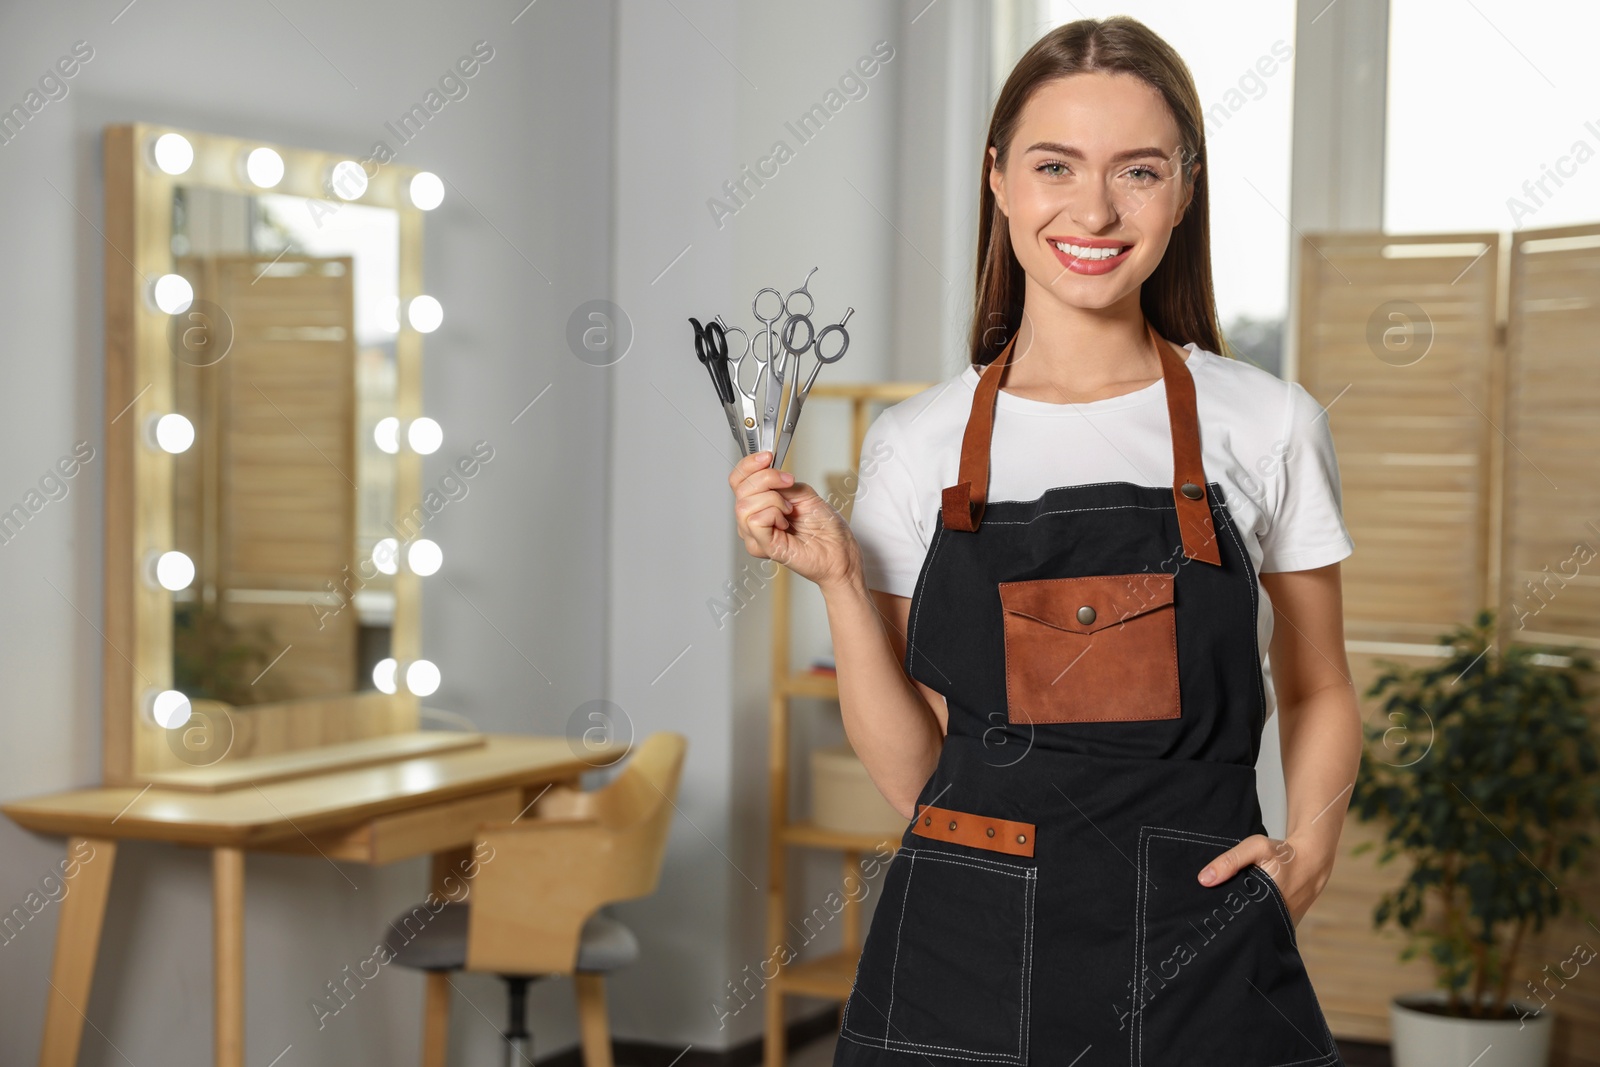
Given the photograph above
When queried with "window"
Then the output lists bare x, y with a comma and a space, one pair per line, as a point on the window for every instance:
1493, 123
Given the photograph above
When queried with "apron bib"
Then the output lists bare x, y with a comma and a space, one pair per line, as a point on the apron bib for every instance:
1097, 651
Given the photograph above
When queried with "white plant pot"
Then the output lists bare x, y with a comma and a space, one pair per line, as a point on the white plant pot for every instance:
1423, 1039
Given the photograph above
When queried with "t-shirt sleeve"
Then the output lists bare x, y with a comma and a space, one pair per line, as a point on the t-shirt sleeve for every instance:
1306, 528
885, 515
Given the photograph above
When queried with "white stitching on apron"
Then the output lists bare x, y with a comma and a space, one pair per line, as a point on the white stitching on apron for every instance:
894, 969
1137, 1030
1080, 485
927, 569
1030, 876
1255, 613
1069, 511
1277, 898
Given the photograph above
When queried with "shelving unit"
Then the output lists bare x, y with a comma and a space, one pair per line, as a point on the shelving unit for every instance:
830, 975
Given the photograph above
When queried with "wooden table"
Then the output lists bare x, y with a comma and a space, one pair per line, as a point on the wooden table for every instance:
426, 805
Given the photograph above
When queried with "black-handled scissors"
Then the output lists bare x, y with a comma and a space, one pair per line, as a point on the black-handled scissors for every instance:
711, 349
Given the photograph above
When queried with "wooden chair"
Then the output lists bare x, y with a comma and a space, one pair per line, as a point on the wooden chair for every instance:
535, 903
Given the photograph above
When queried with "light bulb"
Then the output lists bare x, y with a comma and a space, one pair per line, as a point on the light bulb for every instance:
172, 293
348, 180
174, 571
383, 675
387, 434
170, 709
427, 191
424, 435
173, 433
264, 167
424, 313
422, 678
386, 555
424, 557
173, 153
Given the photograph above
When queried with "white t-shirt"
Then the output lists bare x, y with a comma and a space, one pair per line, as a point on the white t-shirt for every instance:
1264, 440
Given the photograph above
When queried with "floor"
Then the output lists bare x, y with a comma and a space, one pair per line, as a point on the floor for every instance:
817, 1054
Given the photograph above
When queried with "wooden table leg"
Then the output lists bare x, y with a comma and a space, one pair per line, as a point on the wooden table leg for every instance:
83, 912
227, 932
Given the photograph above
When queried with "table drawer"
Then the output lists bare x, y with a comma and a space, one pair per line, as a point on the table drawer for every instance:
417, 833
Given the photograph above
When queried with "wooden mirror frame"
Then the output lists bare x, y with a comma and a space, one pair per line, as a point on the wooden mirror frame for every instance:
268, 741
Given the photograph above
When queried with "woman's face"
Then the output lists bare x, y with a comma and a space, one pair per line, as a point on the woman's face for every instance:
1092, 187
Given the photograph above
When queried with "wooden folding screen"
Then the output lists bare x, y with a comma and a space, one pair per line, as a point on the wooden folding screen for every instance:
1468, 459
1550, 586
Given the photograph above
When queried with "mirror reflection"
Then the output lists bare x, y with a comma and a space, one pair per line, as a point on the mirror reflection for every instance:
284, 368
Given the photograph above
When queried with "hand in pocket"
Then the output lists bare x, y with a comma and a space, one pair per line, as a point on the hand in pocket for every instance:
1298, 880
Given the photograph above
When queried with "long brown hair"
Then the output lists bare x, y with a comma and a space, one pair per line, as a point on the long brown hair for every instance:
1177, 298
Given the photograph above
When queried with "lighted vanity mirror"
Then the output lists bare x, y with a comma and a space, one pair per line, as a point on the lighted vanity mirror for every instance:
265, 428
284, 367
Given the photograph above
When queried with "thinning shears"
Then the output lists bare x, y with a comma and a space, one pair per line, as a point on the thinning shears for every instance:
798, 395
778, 354
749, 412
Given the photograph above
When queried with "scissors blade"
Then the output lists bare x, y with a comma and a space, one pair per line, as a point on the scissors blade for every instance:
736, 425
770, 395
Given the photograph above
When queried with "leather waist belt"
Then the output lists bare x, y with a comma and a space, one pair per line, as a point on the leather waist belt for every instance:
975, 831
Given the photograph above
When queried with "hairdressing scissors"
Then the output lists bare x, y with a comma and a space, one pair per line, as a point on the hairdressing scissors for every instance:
711, 348
769, 368
778, 356
799, 394
749, 428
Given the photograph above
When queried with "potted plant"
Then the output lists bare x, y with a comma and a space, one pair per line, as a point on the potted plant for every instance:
1486, 775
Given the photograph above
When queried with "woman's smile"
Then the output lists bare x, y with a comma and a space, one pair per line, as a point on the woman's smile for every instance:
1084, 255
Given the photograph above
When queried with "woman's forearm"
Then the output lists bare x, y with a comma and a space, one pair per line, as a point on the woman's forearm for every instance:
890, 725
1321, 744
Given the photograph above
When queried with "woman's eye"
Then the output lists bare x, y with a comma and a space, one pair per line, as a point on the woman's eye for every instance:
1054, 170
1144, 173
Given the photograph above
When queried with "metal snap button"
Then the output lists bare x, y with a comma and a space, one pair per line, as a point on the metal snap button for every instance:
952, 824
1022, 839
1086, 614
990, 831
927, 820
1192, 491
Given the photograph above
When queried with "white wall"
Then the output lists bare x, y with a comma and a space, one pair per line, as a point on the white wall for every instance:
530, 148
706, 88
586, 556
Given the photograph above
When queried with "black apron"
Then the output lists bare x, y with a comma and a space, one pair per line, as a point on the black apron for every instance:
1097, 651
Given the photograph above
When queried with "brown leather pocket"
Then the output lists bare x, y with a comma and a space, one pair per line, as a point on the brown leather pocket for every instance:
1097, 649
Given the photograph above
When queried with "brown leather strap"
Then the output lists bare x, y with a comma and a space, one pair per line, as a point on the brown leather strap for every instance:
975, 831
962, 504
1188, 471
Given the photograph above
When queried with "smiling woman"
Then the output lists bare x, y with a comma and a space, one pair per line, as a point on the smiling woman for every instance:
1049, 611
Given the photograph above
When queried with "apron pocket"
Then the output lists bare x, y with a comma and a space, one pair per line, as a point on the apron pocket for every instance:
1097, 649
946, 966
1217, 978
